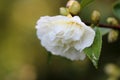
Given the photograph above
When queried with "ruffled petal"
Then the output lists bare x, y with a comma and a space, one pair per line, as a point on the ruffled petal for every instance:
71, 54
86, 40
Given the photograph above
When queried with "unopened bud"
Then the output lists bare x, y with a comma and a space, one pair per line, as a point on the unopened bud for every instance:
69, 15
113, 35
95, 17
64, 11
112, 70
73, 6
112, 21
69, 3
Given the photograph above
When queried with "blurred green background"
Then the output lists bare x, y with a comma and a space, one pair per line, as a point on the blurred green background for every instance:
23, 58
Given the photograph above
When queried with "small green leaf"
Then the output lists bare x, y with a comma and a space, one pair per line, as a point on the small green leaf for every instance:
85, 2
116, 9
93, 52
104, 31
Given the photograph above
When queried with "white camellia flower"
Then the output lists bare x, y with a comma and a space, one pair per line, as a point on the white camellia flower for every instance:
65, 36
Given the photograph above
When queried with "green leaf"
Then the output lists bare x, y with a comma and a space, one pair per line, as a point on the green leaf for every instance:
93, 52
85, 2
104, 31
116, 9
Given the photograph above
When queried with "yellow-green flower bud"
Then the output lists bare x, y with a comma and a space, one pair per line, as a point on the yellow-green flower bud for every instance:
112, 70
74, 7
113, 35
64, 11
112, 21
95, 17
69, 3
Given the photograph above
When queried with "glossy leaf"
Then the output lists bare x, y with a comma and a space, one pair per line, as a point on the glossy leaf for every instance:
104, 31
116, 9
85, 2
93, 52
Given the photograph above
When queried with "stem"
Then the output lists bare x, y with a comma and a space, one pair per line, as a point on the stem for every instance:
105, 26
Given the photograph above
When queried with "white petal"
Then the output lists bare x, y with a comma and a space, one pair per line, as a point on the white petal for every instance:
82, 55
86, 40
77, 19
46, 24
45, 41
52, 35
71, 54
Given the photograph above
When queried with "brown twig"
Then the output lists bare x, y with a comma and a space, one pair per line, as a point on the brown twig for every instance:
105, 26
